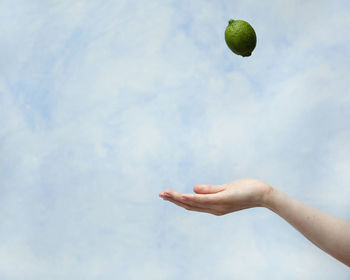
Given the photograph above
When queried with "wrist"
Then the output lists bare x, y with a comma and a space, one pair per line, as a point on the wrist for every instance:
267, 197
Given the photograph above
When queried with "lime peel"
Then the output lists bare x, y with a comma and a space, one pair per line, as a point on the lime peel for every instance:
240, 37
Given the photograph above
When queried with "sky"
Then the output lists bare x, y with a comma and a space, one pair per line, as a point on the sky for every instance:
105, 104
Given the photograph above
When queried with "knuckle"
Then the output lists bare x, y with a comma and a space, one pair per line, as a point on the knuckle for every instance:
220, 211
217, 214
187, 207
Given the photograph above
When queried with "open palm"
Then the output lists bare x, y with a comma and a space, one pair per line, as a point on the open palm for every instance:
221, 199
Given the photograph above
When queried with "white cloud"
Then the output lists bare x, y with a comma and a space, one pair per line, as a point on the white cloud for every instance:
105, 105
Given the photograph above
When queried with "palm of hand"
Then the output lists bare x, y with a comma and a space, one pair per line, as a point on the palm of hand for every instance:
221, 199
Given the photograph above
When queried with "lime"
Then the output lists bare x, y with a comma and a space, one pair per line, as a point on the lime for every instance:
240, 37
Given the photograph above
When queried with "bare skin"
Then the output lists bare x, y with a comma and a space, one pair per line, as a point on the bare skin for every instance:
329, 233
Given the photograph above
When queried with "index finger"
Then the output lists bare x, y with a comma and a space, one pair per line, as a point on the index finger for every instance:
196, 200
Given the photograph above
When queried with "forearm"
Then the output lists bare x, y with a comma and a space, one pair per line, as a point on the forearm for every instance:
329, 233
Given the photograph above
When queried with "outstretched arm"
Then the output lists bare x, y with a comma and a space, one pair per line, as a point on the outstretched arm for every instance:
329, 233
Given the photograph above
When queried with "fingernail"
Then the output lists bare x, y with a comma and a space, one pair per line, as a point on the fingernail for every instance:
168, 195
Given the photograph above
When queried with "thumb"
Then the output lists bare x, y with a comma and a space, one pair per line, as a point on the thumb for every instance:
205, 189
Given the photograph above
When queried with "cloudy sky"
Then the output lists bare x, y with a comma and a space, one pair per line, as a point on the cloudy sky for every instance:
104, 104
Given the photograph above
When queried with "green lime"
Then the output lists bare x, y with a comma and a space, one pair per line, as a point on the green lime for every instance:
240, 37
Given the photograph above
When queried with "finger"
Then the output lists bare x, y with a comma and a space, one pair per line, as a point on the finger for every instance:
204, 189
199, 200
192, 208
169, 193
206, 201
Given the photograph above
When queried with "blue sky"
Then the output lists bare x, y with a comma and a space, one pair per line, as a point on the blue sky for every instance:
106, 104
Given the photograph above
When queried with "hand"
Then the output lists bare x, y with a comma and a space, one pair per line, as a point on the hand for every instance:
221, 199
